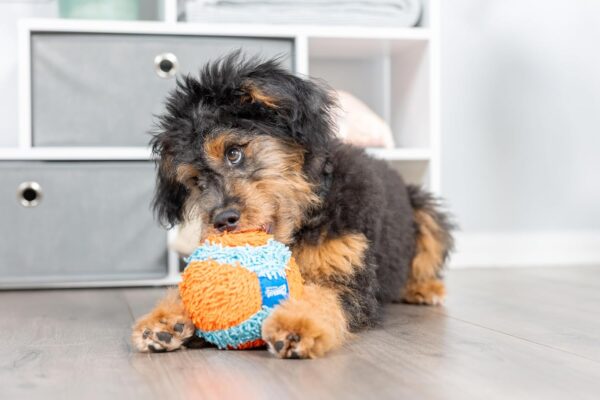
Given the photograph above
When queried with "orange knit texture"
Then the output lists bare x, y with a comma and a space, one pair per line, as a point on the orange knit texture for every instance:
220, 296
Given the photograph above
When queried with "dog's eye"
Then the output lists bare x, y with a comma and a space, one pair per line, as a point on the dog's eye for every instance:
234, 155
199, 184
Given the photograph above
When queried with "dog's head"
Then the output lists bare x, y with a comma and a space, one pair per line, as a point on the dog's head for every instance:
242, 147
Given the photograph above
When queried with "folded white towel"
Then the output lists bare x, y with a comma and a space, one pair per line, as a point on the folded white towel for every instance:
396, 13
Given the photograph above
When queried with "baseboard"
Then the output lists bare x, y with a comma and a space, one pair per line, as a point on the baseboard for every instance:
482, 250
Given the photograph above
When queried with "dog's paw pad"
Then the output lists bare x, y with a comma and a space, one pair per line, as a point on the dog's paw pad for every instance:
290, 346
295, 336
156, 335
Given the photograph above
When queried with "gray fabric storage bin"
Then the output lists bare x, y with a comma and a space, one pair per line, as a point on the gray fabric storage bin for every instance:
98, 89
93, 223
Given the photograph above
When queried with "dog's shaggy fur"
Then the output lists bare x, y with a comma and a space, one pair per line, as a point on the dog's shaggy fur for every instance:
251, 137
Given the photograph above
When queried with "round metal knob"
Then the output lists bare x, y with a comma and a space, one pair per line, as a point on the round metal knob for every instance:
29, 194
166, 65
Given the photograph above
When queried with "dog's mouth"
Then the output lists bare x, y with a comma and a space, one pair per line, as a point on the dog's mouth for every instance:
266, 227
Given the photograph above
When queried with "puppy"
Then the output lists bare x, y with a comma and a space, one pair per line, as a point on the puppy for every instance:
250, 145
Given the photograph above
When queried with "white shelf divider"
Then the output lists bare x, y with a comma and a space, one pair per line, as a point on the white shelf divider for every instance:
435, 141
170, 10
227, 29
76, 153
400, 154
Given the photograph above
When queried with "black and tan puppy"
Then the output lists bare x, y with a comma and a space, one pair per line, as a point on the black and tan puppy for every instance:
250, 145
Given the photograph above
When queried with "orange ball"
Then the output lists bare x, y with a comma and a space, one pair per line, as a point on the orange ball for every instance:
233, 282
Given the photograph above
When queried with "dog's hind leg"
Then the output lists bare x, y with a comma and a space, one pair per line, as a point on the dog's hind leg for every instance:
433, 244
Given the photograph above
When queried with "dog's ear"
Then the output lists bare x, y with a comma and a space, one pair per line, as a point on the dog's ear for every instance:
312, 114
304, 108
252, 93
169, 194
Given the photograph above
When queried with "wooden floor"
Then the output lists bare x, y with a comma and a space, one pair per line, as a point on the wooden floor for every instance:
503, 334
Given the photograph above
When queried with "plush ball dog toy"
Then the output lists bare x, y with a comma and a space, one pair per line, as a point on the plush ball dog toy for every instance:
233, 282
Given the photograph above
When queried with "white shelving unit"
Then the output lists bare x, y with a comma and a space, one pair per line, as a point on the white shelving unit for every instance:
393, 70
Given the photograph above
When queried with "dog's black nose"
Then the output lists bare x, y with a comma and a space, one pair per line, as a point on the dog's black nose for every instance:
226, 220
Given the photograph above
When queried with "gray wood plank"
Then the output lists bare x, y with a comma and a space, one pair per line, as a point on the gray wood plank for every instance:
66, 344
419, 352
498, 337
142, 300
556, 307
455, 359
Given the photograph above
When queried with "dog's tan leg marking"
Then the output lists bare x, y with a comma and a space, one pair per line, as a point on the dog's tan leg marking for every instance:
340, 256
166, 328
424, 285
307, 327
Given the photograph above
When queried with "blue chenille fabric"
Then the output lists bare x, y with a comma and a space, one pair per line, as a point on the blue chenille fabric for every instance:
247, 331
269, 260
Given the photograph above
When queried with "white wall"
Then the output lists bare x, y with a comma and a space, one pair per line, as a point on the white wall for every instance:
521, 116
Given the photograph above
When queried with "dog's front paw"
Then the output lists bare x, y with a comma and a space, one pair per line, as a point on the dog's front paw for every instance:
159, 332
291, 345
295, 330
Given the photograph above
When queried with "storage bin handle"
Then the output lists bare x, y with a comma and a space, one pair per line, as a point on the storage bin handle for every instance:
166, 65
29, 194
